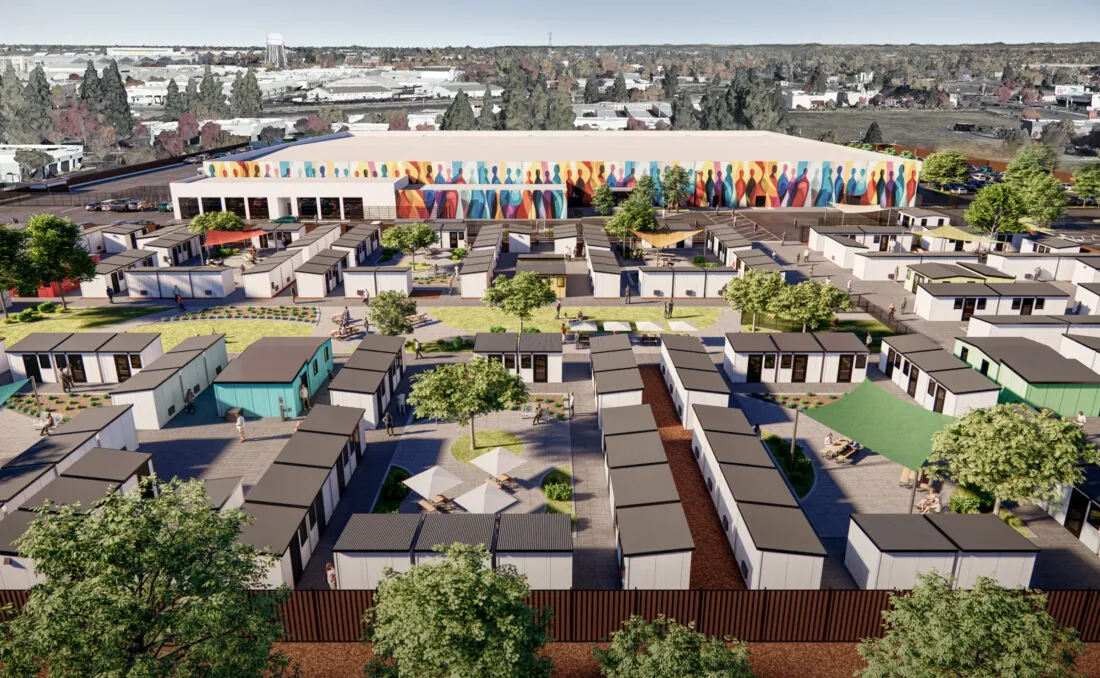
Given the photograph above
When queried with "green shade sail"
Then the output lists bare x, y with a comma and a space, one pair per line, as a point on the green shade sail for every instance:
9, 390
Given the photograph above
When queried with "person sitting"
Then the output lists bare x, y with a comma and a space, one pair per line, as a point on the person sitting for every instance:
930, 504
829, 439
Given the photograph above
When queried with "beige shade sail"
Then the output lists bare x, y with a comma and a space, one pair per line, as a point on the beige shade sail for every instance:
660, 239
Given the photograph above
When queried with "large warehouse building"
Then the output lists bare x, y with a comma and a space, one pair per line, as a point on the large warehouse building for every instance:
461, 175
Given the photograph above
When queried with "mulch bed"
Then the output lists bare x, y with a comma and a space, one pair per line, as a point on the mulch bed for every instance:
424, 294
712, 564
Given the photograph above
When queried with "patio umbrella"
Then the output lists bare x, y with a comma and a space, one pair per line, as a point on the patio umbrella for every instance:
584, 326
682, 326
485, 498
649, 326
497, 461
616, 326
435, 480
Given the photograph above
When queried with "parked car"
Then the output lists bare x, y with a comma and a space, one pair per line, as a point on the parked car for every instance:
957, 189
96, 206
285, 220
164, 207
117, 205
139, 206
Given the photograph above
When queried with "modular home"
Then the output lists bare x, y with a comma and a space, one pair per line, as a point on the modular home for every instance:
1034, 266
609, 343
451, 235
618, 421
110, 273
1087, 299
190, 282
302, 487
224, 493
20, 483
112, 426
519, 239
723, 435
617, 389
912, 375
604, 272
956, 239
17, 572
283, 532
839, 358
630, 450
872, 238
275, 235
539, 546
316, 241
375, 279
684, 282
723, 242
358, 243
1079, 509
895, 265
370, 377
654, 546
754, 259
691, 377
1082, 348
565, 239
270, 277
912, 217
595, 238
345, 423
841, 249
174, 246
610, 361
321, 274
987, 547
934, 272
264, 381
550, 267
536, 357
475, 274
1086, 269
1046, 329
119, 467
891, 551
488, 238
335, 455
1045, 243
122, 236
960, 301
214, 354
65, 491
93, 357
371, 543
956, 392
641, 486
472, 529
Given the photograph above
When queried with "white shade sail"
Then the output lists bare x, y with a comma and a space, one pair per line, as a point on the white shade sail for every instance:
682, 326
497, 461
435, 480
485, 498
649, 326
616, 326
584, 326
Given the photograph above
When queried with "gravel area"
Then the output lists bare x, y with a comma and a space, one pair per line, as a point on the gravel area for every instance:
712, 565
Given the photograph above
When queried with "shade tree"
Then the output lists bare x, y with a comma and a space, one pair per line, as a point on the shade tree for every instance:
754, 292
520, 296
460, 392
409, 238
389, 313
664, 648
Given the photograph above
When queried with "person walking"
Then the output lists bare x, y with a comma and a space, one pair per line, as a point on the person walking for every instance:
904, 303
345, 319
240, 425
303, 393
890, 311
67, 379
848, 287
798, 259
557, 310
110, 295
564, 331
868, 341
417, 355
806, 255
366, 298
664, 311
626, 293
330, 576
671, 308
388, 421
179, 301
189, 402
401, 404
537, 419
570, 404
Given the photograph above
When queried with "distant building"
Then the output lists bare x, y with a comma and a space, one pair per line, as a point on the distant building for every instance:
797, 98
66, 158
609, 115
276, 51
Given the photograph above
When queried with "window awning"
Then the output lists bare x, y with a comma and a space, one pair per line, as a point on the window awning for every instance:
214, 238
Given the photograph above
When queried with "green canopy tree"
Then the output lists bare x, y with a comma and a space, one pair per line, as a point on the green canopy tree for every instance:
674, 186
947, 167
390, 311
1012, 453
984, 632
520, 296
55, 253
487, 119
1086, 181
873, 135
663, 648
252, 97
560, 116
636, 213
459, 115
603, 200
191, 96
1029, 161
152, 583
996, 209
174, 103
459, 392
538, 103
13, 273
591, 91
670, 81
811, 304
91, 90
215, 221
236, 90
513, 110
115, 103
683, 112
754, 292
618, 88
211, 100
457, 616
1044, 199
409, 238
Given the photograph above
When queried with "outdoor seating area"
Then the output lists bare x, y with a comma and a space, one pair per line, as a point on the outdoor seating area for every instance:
434, 484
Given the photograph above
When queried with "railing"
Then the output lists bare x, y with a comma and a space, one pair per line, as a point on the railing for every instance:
151, 194
883, 315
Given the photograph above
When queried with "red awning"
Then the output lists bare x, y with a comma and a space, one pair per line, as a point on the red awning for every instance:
215, 238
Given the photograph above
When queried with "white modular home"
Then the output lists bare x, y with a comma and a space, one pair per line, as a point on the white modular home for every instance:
1079, 509
840, 249
539, 546
358, 243
346, 424
224, 493
159, 392
472, 529
190, 282
519, 239
174, 246
1082, 348
17, 572
960, 301
610, 343
934, 272
278, 236
724, 242
122, 236
987, 547
839, 358
321, 275
754, 259
476, 274
333, 455
895, 265
110, 273
281, 531
611, 361
871, 238
913, 374
913, 217
654, 546
489, 238
724, 436
1045, 243
641, 486
617, 389
565, 239
92, 357
618, 421
1034, 266
536, 357
317, 240
595, 238
891, 551
1045, 329
301, 487
363, 389
684, 282
1086, 299
375, 279
692, 378
119, 467
372, 542
605, 273
65, 491
20, 483
1086, 269
214, 354
451, 234
955, 392
630, 450
271, 276
112, 426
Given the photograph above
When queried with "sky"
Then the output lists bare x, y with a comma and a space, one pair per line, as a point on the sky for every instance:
517, 22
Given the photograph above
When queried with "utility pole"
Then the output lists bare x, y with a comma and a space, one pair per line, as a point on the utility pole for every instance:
794, 437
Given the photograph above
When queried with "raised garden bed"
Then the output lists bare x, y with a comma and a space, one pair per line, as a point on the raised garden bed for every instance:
67, 405
304, 314
557, 490
552, 405
808, 400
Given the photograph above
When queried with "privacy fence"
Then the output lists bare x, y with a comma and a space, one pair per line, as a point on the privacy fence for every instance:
591, 616
153, 194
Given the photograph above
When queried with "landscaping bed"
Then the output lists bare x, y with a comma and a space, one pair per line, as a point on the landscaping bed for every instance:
304, 314
800, 474
67, 405
486, 441
552, 405
393, 491
557, 489
808, 400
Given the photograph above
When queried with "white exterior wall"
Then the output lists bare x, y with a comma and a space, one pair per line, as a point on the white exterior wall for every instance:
882, 268
956, 405
364, 570
687, 284
330, 492
282, 194
838, 253
15, 364
1084, 273
606, 400
873, 569
519, 243
943, 308
114, 243
18, 573
813, 368
282, 573
214, 359
1045, 334
938, 244
148, 283
92, 368
654, 284
565, 245
473, 285
659, 571
736, 366
265, 285
831, 366
1086, 302
1082, 354
355, 282
1010, 570
1050, 267
606, 285
543, 570
716, 283
364, 401
26, 493
120, 434
311, 285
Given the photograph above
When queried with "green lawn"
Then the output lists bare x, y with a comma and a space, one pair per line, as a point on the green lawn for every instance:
486, 440
96, 319
860, 327
480, 319
239, 334
393, 491
563, 506
801, 476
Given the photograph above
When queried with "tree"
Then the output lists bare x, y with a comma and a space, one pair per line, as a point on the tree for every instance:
31, 161
211, 99
947, 167
271, 134
716, 114
209, 135
166, 581
390, 311
520, 296
873, 135
36, 105
663, 648
1044, 199
514, 114
174, 103
561, 114
55, 253
314, 126
459, 115
459, 392
996, 209
398, 121
457, 616
618, 88
91, 90
252, 98
188, 127
1086, 181
1030, 161
191, 95
116, 105
811, 304
409, 238
754, 292
670, 81
635, 214
817, 81
984, 632
487, 119
332, 115
13, 118
213, 221
603, 200
13, 266
1014, 454
591, 91
683, 113
674, 186
236, 90
538, 104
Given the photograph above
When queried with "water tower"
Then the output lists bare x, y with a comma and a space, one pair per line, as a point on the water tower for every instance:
276, 50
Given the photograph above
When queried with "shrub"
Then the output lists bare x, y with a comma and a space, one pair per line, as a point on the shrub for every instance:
443, 344
26, 316
970, 500
497, 329
458, 343
699, 260
530, 330
47, 307
558, 491
1011, 519
458, 253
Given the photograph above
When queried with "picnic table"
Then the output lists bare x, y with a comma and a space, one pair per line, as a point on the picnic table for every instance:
417, 318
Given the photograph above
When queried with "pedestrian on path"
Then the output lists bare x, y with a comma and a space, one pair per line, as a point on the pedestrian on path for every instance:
564, 331
664, 312
626, 293
806, 255
345, 319
904, 303
179, 301
401, 404
571, 400
417, 355
303, 393
890, 311
189, 402
366, 298
388, 421
557, 311
868, 342
240, 425
110, 295
330, 576
848, 286
537, 419
671, 308
798, 259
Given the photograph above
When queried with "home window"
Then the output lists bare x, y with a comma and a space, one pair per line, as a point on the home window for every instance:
1094, 515
62, 361
135, 361
963, 353
785, 361
1039, 303
710, 484
981, 304
326, 353
510, 361
189, 207
303, 534
525, 361
1016, 303
695, 451
905, 367
312, 517
726, 523
769, 361
931, 387
985, 367
314, 367
44, 360
958, 303
861, 361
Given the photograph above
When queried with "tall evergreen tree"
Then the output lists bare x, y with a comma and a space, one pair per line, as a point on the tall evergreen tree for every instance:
236, 90
91, 90
670, 82
591, 91
13, 117
716, 112
487, 120
191, 95
174, 103
683, 113
737, 95
36, 98
760, 111
211, 97
2, 120
873, 135
618, 88
538, 104
561, 114
513, 114
116, 106
252, 99
459, 115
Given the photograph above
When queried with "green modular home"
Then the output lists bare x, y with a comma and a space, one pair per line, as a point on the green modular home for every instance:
1034, 374
963, 272
271, 372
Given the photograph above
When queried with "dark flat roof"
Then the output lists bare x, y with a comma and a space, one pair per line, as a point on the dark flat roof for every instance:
173, 360
618, 381
271, 360
380, 343
12, 527
129, 342
796, 342
356, 381
51, 449
965, 380
540, 342
690, 360
1085, 340
273, 528
306, 448
218, 490
93, 419
65, 490
660, 528
846, 241
613, 360
288, 485
737, 448
15, 479
608, 342
981, 269
564, 231
534, 533
84, 342
627, 419
105, 464
938, 271
496, 342
463, 528
983, 532
751, 342
273, 262
199, 342
370, 360
38, 342
380, 533
936, 361
910, 343
643, 485
333, 419
122, 260
1027, 289
758, 485
635, 449
1036, 363
377, 269
841, 342
707, 381
542, 264
146, 380
1011, 319
902, 533
723, 419
781, 529
683, 342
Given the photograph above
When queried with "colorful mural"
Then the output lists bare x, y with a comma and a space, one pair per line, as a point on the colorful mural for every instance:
889, 182
481, 202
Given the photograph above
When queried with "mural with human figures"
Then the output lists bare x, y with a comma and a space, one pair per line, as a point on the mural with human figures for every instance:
887, 182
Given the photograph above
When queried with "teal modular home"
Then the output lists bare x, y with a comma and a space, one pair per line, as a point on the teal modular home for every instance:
266, 380
1033, 373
